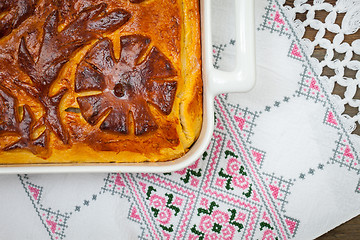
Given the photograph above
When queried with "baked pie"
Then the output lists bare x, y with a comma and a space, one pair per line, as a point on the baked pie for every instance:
99, 81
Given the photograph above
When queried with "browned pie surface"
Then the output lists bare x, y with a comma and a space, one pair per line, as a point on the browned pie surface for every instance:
98, 81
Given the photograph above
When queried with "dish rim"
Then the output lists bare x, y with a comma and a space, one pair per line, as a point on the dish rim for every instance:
242, 79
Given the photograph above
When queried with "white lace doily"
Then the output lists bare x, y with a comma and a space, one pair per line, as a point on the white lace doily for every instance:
342, 56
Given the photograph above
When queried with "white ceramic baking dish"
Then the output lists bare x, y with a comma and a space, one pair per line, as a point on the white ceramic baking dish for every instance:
241, 79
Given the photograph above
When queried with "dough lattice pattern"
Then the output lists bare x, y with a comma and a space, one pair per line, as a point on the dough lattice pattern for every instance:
55, 51
11, 121
126, 85
13, 13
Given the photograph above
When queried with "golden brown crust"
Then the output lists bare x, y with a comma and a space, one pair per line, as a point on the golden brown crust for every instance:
100, 81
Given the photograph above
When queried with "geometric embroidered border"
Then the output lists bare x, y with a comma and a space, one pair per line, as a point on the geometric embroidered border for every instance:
344, 155
294, 52
280, 189
273, 21
309, 87
217, 50
292, 224
245, 120
330, 119
114, 184
357, 190
54, 222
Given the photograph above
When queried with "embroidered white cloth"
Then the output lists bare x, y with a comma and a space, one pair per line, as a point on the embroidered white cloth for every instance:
281, 163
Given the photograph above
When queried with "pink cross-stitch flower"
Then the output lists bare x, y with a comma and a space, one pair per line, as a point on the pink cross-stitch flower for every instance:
164, 216
241, 182
216, 226
204, 202
178, 201
157, 201
233, 166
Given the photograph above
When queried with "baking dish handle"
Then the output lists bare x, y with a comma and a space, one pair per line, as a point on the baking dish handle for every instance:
242, 78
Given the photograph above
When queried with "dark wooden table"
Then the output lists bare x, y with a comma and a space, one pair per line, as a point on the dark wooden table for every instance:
351, 229
347, 231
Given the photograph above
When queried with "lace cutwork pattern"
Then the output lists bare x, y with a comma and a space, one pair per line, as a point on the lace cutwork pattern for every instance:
329, 31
